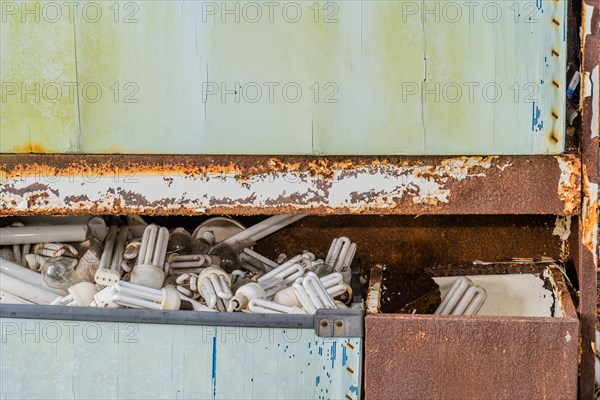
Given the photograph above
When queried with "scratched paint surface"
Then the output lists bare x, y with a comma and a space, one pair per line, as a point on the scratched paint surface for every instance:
126, 361
336, 77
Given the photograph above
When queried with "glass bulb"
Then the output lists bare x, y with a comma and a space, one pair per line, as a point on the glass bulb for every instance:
203, 244
228, 255
57, 272
180, 241
322, 269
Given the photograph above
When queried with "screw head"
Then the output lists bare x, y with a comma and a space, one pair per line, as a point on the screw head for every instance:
324, 324
339, 324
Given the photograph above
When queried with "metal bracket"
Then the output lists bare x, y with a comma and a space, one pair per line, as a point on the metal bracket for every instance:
347, 322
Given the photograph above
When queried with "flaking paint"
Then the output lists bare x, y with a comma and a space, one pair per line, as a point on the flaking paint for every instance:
589, 216
195, 185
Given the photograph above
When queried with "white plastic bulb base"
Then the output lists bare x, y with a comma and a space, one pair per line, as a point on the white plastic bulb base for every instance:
287, 297
103, 299
148, 275
83, 293
244, 294
171, 299
106, 277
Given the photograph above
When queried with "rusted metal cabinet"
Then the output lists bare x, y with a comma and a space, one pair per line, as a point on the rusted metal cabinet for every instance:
517, 353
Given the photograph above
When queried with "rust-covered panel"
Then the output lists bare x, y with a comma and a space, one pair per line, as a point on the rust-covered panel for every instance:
586, 259
407, 245
455, 357
192, 185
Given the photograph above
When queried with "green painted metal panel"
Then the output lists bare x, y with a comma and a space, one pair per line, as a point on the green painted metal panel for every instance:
292, 77
38, 98
76, 359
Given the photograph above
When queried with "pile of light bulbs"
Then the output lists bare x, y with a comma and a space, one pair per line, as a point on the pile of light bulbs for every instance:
172, 271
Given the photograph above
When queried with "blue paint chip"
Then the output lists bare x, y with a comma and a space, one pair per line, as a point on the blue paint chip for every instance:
354, 389
214, 367
333, 354
536, 118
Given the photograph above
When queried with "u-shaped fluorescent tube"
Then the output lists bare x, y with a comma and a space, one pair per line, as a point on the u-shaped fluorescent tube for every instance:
463, 298
262, 306
149, 269
287, 269
112, 256
340, 256
214, 283
136, 296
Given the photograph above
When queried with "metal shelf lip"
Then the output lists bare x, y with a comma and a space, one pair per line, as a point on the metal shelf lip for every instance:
249, 185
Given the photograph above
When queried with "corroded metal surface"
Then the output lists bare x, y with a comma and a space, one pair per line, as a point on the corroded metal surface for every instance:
189, 185
455, 357
374, 290
561, 289
406, 245
586, 259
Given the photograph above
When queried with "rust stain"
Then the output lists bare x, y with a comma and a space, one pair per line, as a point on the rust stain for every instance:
561, 289
29, 148
589, 217
425, 184
374, 292
240, 167
568, 184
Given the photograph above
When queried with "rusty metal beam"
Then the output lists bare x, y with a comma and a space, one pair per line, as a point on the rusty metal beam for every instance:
250, 185
455, 357
586, 238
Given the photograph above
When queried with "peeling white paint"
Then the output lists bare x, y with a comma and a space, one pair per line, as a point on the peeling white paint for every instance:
595, 88
587, 23
373, 298
566, 189
562, 229
504, 166
383, 186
